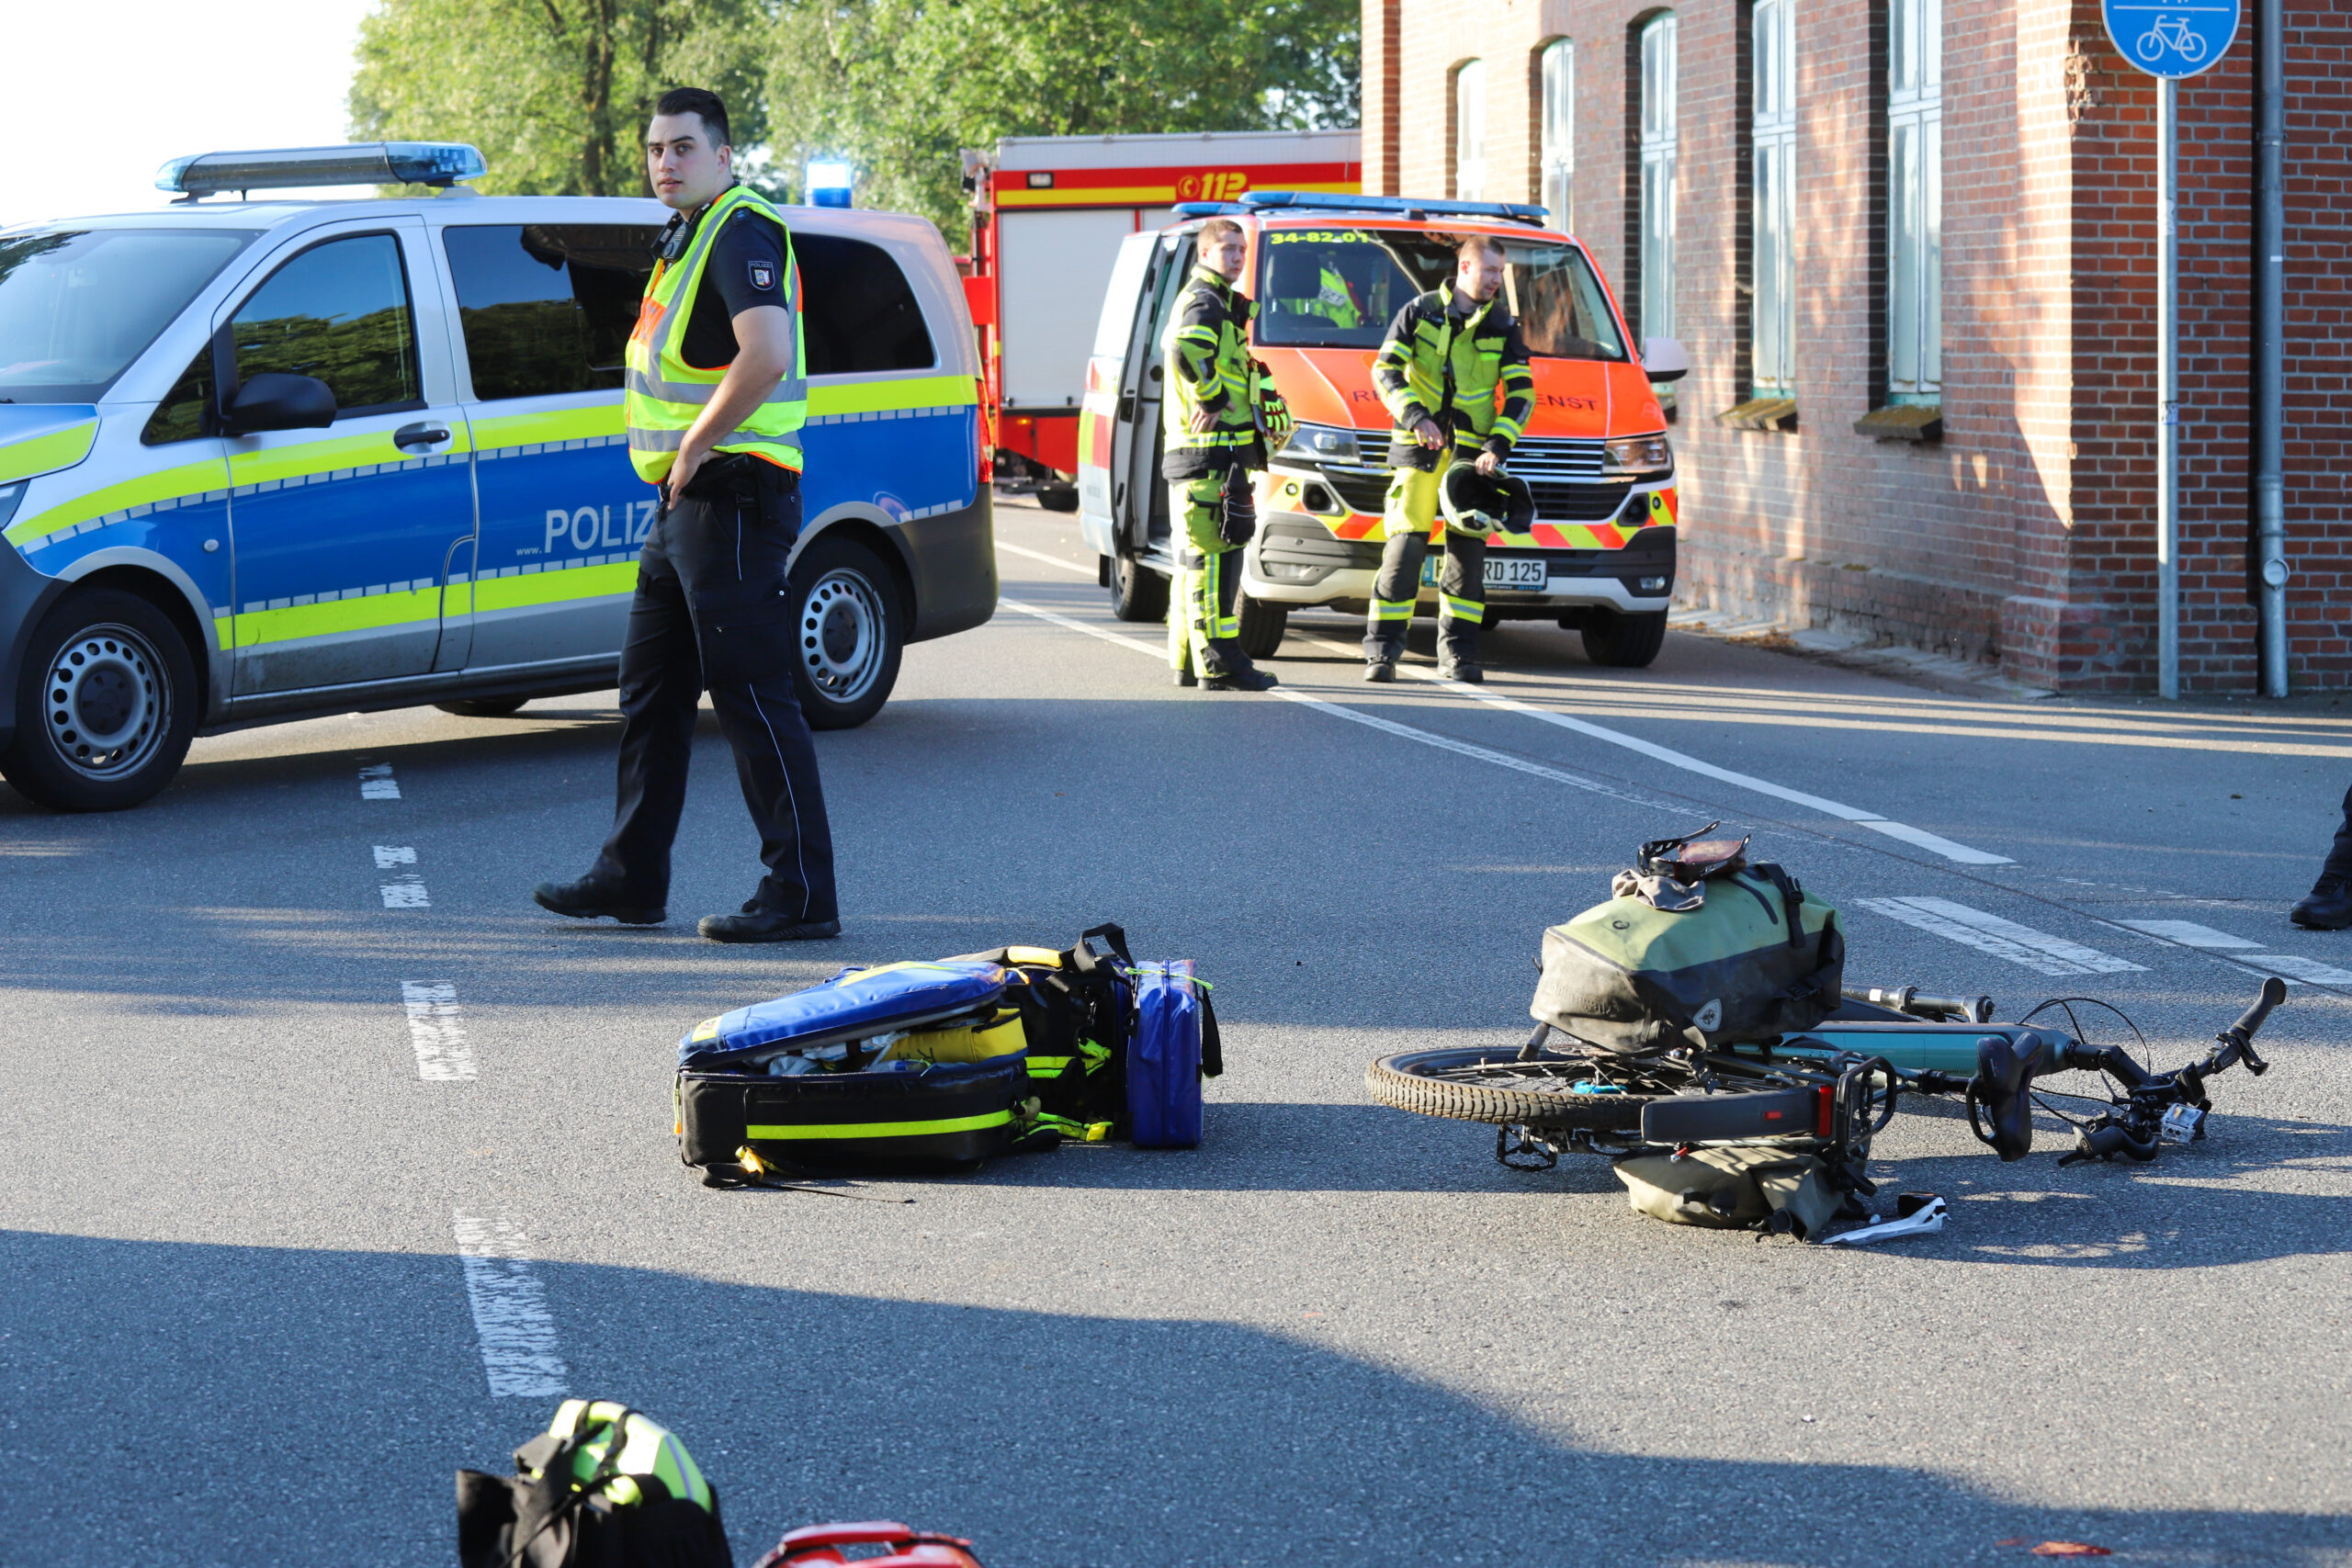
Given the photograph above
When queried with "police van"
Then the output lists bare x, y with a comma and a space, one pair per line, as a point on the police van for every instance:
264, 460
1329, 273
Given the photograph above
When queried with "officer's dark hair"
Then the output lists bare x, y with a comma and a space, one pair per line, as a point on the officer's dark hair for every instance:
1217, 229
1477, 245
701, 101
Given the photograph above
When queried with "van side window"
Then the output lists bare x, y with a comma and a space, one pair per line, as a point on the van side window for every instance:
338, 311
857, 313
181, 416
547, 306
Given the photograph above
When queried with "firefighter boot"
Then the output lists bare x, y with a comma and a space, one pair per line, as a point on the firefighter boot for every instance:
1228, 669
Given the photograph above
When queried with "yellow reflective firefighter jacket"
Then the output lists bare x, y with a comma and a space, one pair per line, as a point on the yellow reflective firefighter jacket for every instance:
664, 395
1453, 361
1209, 366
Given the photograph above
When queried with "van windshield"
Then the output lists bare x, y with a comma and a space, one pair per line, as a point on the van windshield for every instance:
1341, 288
78, 305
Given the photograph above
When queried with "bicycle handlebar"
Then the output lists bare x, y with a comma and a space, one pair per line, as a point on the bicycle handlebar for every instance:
2241, 1033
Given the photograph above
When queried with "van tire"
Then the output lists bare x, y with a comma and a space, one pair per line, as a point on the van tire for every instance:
1137, 593
1263, 626
102, 657
484, 707
847, 631
1620, 641
1057, 497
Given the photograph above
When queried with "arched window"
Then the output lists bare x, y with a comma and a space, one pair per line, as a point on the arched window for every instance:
1556, 89
1772, 368
1657, 153
1470, 131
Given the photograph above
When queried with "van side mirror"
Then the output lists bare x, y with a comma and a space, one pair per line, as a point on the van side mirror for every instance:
1663, 359
275, 400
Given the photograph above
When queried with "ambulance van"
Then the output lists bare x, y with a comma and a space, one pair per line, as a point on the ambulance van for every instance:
1329, 274
266, 459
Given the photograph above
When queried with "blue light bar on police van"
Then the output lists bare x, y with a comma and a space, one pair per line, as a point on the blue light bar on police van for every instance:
829, 185
359, 163
1515, 211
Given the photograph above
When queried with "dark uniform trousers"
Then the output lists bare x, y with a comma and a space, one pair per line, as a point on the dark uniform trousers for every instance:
2339, 854
710, 611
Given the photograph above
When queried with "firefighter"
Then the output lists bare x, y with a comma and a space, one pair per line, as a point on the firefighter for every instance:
1451, 355
1218, 397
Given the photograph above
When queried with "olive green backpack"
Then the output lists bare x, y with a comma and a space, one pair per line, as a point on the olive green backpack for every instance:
1743, 954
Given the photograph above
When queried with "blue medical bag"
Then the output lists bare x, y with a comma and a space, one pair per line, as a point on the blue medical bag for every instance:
856, 1004
1173, 1046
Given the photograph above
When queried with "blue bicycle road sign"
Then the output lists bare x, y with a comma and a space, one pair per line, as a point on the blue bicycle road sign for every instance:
2172, 39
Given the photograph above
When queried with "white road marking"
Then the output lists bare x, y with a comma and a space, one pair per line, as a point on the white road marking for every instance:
1402, 731
2292, 967
2188, 933
1935, 843
408, 893
1051, 561
376, 782
1960, 853
2038, 951
437, 1031
519, 1353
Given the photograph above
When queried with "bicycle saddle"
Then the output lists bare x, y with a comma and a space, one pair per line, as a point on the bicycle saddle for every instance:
2003, 1069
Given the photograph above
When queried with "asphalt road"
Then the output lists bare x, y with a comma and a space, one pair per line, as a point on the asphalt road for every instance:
236, 1324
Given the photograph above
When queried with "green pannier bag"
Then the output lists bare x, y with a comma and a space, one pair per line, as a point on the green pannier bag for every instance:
1740, 1187
1759, 957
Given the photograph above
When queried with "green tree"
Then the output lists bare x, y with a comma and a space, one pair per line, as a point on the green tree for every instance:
898, 86
556, 93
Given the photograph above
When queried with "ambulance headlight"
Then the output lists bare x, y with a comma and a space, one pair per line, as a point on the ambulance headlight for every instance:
1638, 455
1321, 444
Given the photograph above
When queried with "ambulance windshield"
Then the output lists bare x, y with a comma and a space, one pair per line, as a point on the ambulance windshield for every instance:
78, 305
1341, 288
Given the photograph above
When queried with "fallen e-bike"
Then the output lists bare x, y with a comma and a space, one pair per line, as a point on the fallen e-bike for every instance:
1834, 1085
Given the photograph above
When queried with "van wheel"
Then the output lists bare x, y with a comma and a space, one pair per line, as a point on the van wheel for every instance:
1057, 497
847, 631
1263, 626
484, 707
1137, 593
106, 705
1620, 641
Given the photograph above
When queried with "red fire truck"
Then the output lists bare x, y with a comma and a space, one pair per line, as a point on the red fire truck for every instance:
1049, 213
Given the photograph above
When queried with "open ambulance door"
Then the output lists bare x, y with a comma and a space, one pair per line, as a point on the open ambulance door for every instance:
1139, 509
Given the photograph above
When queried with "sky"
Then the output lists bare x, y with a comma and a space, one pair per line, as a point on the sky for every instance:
101, 92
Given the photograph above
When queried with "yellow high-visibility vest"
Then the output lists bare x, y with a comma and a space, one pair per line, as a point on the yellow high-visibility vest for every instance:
664, 395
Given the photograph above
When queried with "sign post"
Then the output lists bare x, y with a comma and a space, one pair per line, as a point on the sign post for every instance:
2168, 43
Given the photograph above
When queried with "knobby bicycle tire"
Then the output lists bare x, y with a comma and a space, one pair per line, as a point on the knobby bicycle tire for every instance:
1408, 1081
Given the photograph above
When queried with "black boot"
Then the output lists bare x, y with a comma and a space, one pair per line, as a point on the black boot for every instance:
755, 924
589, 899
1380, 670
1228, 669
2327, 907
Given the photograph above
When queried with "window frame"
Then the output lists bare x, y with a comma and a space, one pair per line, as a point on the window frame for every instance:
1657, 153
226, 383
1913, 264
1771, 262
1556, 151
1467, 88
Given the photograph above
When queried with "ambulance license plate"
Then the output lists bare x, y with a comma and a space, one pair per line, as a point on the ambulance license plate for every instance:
1525, 575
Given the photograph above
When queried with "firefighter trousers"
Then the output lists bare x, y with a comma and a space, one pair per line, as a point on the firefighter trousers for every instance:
1201, 624
1406, 518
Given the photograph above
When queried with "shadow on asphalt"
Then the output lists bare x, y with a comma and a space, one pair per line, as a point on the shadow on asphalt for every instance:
1056, 1440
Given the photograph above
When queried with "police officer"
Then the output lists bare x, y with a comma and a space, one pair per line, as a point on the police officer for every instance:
1218, 397
1450, 355
715, 395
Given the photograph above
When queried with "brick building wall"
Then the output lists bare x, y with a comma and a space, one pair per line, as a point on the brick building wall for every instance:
2025, 534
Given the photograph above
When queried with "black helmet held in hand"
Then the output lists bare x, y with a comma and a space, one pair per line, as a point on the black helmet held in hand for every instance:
1485, 503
